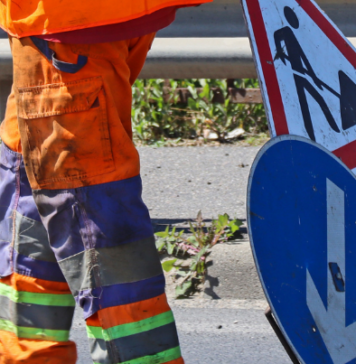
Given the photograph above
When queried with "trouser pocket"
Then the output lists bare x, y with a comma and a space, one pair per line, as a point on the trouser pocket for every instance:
64, 132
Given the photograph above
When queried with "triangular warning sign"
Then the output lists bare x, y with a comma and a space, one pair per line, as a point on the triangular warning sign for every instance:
307, 73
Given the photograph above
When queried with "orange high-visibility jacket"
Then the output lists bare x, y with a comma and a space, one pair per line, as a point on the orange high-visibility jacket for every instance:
23, 18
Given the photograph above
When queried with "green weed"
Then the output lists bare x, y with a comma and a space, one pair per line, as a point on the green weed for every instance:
191, 252
158, 117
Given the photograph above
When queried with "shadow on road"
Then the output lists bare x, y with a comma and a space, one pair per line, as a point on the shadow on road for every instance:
209, 291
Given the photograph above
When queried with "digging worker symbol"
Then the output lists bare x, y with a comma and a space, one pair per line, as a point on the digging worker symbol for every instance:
300, 64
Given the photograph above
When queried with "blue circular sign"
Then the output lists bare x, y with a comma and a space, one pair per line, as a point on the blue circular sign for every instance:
302, 225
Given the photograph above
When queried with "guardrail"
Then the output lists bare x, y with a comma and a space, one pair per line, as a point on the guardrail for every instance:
234, 94
208, 41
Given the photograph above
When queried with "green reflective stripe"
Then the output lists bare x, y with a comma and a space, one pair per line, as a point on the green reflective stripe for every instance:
95, 332
132, 328
160, 358
45, 299
37, 316
34, 333
140, 326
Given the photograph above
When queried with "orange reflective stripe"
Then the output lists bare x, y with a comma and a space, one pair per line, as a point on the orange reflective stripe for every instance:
94, 320
14, 350
25, 18
20, 282
120, 315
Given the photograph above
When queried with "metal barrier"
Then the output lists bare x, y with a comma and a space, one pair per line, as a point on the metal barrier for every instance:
209, 41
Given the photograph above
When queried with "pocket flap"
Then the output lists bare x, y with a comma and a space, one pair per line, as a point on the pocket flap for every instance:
58, 98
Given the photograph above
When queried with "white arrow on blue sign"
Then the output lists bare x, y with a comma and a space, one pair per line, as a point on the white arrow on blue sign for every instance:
331, 320
302, 226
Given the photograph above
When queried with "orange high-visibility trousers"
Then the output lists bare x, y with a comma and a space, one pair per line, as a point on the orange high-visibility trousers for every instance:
73, 226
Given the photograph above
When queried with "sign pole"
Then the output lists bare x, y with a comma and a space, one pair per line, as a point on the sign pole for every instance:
282, 339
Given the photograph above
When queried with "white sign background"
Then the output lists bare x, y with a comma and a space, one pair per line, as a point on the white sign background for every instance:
326, 61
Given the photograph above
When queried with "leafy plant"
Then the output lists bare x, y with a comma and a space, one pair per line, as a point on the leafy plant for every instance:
157, 115
197, 247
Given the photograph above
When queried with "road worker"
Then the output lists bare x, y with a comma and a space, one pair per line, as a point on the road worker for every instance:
73, 227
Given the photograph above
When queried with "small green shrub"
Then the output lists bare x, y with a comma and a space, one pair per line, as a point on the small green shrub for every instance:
157, 114
197, 246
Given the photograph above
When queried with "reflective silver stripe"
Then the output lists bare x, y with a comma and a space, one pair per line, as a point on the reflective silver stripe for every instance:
31, 239
124, 263
36, 316
99, 352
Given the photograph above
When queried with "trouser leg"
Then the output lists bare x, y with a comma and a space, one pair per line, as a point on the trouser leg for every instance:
134, 328
102, 238
84, 170
104, 244
36, 305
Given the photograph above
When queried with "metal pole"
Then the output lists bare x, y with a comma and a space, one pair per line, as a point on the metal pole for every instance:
282, 339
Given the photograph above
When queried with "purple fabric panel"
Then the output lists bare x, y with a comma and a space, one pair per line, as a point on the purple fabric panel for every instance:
116, 212
5, 239
26, 205
92, 301
14, 179
8, 164
48, 271
100, 216
58, 211
5, 265
9, 158
16, 194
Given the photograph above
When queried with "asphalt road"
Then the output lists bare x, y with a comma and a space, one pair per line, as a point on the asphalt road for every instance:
178, 182
226, 324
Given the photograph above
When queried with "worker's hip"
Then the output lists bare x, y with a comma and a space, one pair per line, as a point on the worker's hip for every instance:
73, 106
